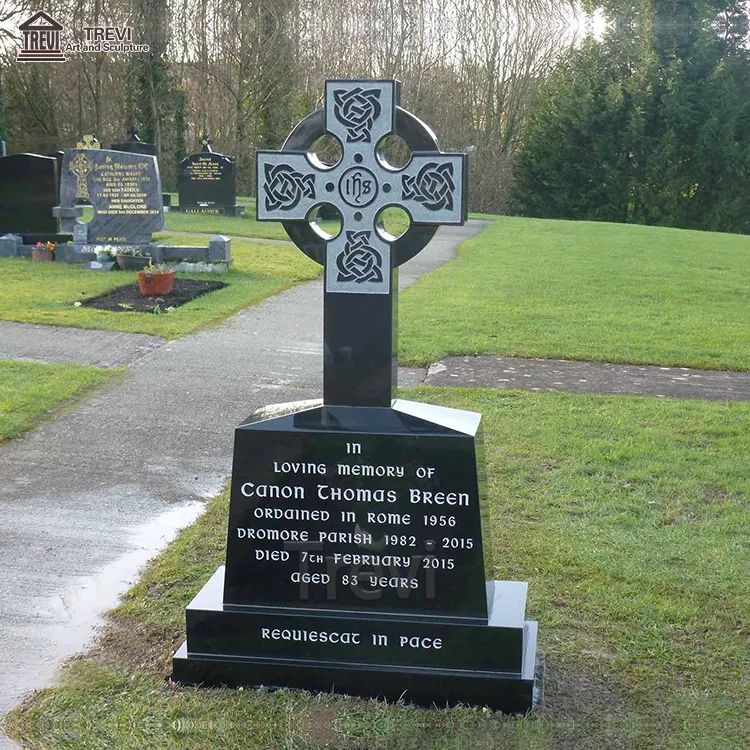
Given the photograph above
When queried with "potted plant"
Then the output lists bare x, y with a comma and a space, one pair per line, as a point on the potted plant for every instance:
153, 280
43, 251
105, 253
131, 259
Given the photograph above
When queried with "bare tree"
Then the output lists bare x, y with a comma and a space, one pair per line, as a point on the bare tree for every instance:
250, 68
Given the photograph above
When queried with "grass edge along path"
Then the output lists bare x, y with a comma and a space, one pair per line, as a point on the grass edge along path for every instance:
629, 518
585, 291
31, 391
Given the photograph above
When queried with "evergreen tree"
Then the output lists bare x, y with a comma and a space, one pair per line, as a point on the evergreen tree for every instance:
651, 125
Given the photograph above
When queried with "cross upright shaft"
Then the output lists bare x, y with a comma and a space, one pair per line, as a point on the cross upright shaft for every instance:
361, 277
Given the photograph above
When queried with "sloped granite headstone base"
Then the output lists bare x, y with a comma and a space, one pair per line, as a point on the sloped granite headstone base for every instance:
492, 665
355, 563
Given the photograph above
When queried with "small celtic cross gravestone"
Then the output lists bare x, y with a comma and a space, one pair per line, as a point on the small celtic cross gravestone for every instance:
206, 142
361, 261
89, 141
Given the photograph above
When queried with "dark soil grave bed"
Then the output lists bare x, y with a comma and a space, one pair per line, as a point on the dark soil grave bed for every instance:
129, 299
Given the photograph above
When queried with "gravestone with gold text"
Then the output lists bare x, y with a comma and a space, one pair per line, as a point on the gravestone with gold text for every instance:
123, 189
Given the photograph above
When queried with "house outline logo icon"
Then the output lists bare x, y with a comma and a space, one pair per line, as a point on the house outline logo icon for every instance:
41, 39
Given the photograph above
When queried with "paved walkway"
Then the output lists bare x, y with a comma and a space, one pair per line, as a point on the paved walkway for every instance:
78, 490
49, 344
589, 377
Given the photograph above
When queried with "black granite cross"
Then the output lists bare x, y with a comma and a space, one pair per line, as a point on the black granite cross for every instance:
206, 142
361, 276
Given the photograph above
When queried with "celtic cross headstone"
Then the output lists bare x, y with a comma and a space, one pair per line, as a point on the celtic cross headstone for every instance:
361, 261
124, 190
358, 530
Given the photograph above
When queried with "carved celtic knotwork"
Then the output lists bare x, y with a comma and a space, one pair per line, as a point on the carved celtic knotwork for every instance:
81, 167
357, 110
359, 261
360, 185
284, 186
433, 186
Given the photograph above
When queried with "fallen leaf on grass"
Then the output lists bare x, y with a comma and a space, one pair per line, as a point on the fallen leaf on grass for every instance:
598, 653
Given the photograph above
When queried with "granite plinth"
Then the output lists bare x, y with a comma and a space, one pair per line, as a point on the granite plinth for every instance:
429, 662
31, 238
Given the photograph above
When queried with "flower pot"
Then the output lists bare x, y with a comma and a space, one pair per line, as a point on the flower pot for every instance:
132, 262
152, 284
38, 253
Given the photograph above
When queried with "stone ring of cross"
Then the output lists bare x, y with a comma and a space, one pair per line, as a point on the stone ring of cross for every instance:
293, 183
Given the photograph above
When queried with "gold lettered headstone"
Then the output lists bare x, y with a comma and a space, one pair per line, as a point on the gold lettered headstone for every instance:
89, 141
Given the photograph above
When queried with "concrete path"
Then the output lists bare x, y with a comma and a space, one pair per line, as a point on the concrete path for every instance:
87, 495
50, 344
589, 377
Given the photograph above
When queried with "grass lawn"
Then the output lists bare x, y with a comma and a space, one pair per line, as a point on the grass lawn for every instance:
586, 291
630, 519
29, 391
234, 226
247, 226
46, 292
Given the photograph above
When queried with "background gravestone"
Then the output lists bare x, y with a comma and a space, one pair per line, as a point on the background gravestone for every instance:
28, 194
358, 539
134, 145
58, 156
207, 183
124, 190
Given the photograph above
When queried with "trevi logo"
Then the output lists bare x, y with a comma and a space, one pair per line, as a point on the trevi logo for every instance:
41, 39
